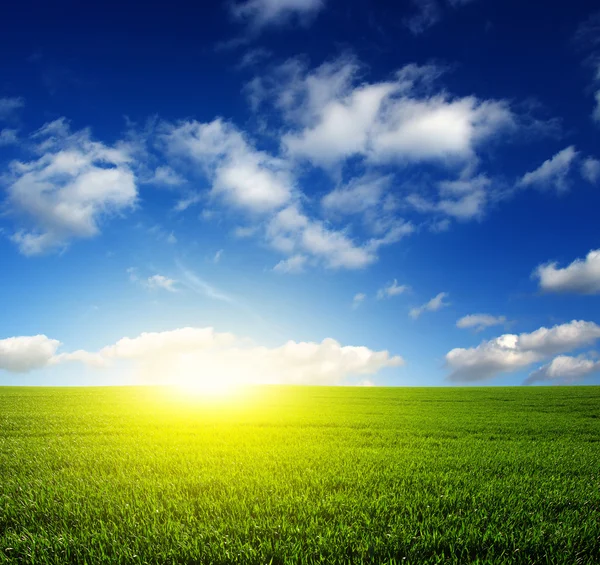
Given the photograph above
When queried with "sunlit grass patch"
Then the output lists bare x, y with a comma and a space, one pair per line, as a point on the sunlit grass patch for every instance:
300, 475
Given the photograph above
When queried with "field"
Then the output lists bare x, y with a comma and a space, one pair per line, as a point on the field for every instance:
300, 475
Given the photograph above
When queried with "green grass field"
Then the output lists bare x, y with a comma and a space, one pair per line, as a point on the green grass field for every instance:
300, 475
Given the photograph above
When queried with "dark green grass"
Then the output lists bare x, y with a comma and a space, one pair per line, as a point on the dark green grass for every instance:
300, 475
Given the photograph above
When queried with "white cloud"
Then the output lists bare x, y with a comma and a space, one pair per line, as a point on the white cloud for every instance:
245, 177
398, 120
25, 353
463, 199
262, 13
582, 276
553, 172
156, 282
358, 299
564, 369
392, 289
511, 352
436, 303
8, 106
165, 175
65, 193
294, 264
480, 321
590, 170
218, 255
359, 195
184, 203
203, 356
8, 137
291, 232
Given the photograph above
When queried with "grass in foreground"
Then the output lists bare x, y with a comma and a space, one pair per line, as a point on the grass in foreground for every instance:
300, 475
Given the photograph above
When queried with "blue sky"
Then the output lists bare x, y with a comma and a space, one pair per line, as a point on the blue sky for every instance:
300, 191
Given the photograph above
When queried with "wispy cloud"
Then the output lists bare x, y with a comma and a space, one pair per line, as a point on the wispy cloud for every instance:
392, 289
436, 303
200, 286
358, 300
480, 322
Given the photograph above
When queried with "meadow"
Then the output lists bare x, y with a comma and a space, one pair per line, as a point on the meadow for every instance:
300, 475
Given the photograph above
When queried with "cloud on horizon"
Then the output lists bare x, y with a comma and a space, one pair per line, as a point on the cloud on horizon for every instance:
202, 355
511, 352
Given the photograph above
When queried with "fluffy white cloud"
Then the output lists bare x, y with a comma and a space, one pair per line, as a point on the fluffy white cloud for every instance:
161, 282
25, 353
553, 172
392, 121
582, 276
590, 170
564, 369
290, 231
203, 356
436, 303
393, 289
262, 13
9, 105
66, 192
245, 177
511, 352
480, 321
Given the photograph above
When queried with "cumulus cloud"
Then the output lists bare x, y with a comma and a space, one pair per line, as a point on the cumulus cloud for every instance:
552, 173
582, 276
8, 106
156, 282
392, 289
511, 352
564, 369
290, 231
202, 356
436, 303
25, 353
263, 13
66, 192
383, 122
480, 321
242, 175
590, 170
